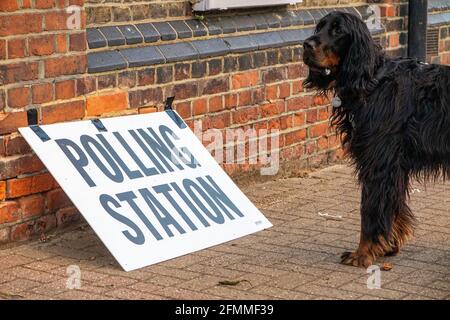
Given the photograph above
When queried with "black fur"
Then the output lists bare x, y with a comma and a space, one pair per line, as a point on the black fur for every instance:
394, 119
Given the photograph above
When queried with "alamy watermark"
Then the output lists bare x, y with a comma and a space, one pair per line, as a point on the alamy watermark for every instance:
243, 146
74, 19
374, 280
73, 277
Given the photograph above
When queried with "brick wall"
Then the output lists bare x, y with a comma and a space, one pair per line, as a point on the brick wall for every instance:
102, 12
44, 66
444, 46
41, 63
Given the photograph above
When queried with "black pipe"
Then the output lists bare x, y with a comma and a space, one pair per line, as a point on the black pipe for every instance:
417, 29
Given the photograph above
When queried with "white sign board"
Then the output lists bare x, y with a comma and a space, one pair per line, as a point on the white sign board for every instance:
147, 186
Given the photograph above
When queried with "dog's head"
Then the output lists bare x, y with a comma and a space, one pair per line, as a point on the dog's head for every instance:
340, 53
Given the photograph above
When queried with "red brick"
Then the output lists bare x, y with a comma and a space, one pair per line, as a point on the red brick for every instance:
199, 107
8, 5
65, 111
183, 109
145, 110
394, 40
297, 87
220, 121
215, 104
9, 122
57, 199
42, 46
323, 114
77, 42
32, 206
246, 79
98, 105
299, 103
56, 20
295, 136
70, 65
17, 72
216, 85
245, 98
28, 229
295, 71
284, 90
61, 43
245, 115
319, 130
66, 216
76, 2
16, 48
19, 97
322, 143
65, 89
272, 109
299, 119
231, 100
274, 124
14, 145
26, 4
285, 122
2, 190
146, 76
86, 85
151, 96
29, 185
9, 212
185, 90
25, 23
17, 165
273, 75
2, 49
61, 3
44, 4
271, 92
42, 93
126, 79
387, 11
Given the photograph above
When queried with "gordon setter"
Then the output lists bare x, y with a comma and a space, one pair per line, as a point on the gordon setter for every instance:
393, 116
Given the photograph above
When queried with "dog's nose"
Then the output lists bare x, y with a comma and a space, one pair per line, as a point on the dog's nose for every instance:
309, 44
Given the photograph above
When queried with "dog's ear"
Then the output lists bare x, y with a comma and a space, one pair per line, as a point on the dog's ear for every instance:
358, 65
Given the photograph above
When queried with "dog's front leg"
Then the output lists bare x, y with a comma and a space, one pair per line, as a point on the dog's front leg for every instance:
386, 220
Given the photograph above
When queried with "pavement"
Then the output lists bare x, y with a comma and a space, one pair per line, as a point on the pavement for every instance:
298, 258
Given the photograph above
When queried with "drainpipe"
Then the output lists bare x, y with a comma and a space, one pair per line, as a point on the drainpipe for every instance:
417, 29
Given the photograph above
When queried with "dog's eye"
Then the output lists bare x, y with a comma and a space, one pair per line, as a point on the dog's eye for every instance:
320, 26
337, 30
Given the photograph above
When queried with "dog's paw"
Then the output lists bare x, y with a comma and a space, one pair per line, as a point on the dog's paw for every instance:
393, 251
356, 259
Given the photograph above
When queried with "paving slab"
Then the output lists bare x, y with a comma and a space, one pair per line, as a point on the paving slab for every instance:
296, 259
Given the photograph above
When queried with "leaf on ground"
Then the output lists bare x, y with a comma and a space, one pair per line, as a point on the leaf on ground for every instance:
9, 296
232, 282
386, 266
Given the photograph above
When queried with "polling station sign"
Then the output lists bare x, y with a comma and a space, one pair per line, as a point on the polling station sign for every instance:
146, 185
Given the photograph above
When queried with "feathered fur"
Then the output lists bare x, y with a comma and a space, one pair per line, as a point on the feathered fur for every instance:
394, 121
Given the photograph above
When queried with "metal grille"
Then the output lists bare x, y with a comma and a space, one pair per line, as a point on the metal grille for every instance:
206, 5
432, 42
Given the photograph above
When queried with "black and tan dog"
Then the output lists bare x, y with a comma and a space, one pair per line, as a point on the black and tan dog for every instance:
394, 119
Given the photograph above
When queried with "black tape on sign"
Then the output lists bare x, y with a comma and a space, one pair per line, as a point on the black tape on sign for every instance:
172, 114
99, 125
40, 133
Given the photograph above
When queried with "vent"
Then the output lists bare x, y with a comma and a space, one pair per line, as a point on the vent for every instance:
433, 42
206, 5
